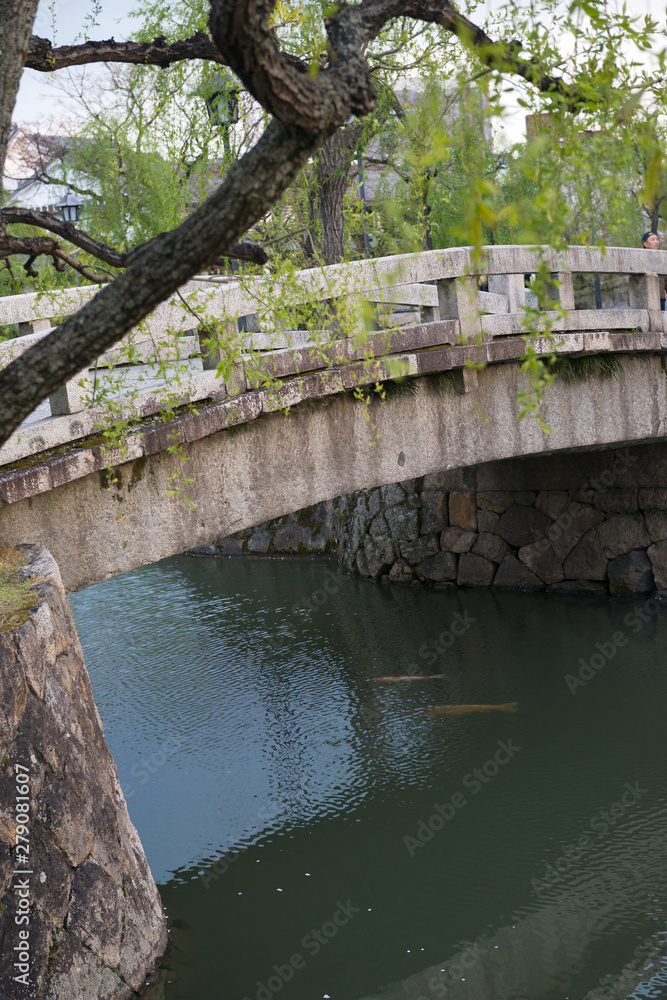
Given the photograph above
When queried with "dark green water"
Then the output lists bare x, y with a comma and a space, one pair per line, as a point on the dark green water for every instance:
280, 793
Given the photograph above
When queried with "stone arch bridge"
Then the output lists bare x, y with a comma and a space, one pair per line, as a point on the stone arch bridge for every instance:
284, 427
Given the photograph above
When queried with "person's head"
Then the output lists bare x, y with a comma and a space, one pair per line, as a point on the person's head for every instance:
651, 240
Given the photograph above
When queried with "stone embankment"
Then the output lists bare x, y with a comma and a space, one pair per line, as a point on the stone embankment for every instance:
585, 523
80, 914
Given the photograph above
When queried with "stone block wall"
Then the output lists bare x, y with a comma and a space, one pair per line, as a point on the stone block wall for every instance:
580, 522
558, 540
79, 909
315, 530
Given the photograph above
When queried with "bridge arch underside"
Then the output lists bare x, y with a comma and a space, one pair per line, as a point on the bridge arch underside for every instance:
280, 463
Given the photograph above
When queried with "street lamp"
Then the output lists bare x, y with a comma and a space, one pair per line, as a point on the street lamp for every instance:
70, 206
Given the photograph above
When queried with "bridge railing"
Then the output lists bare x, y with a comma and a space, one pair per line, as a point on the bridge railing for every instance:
437, 291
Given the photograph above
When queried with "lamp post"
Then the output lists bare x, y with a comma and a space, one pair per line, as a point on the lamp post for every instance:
70, 206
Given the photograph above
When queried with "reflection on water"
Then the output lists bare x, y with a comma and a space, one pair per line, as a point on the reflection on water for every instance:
318, 834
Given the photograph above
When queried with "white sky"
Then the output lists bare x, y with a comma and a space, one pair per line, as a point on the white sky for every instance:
37, 100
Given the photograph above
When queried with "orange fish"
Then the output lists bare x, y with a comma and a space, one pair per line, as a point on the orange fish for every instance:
509, 706
410, 677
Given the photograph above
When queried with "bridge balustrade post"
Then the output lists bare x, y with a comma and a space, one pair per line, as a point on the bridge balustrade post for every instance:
512, 286
457, 299
562, 289
72, 397
34, 326
644, 293
429, 314
211, 355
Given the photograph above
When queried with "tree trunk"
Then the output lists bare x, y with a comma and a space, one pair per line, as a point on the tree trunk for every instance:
332, 178
426, 212
16, 20
655, 216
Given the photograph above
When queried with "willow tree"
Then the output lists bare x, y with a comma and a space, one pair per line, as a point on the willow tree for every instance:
306, 103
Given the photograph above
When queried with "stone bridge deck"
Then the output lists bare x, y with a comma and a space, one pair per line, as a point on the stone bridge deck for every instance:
323, 450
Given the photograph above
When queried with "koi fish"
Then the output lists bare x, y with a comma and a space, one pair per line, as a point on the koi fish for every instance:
410, 677
510, 706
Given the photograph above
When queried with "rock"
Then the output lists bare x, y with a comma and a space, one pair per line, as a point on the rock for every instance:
574, 522
490, 546
361, 563
293, 537
230, 546
656, 524
552, 502
410, 488
204, 550
622, 533
652, 499
513, 575
525, 498
380, 555
474, 571
522, 525
631, 573
578, 587
434, 511
463, 510
586, 561
448, 482
616, 501
542, 560
487, 520
391, 495
403, 523
401, 572
457, 540
658, 556
583, 496
437, 568
424, 547
641, 465
374, 502
92, 915
361, 508
90, 936
357, 528
495, 500
379, 527
259, 542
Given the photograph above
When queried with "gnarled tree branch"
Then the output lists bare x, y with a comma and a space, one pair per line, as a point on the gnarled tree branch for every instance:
115, 258
43, 57
499, 55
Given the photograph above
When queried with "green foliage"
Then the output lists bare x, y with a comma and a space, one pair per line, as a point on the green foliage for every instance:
16, 595
604, 366
397, 387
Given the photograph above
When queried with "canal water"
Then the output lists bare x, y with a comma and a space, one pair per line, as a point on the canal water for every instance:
316, 834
